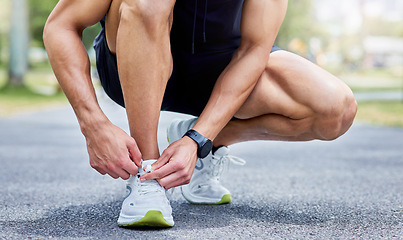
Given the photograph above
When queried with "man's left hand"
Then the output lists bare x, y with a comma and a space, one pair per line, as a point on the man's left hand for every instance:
176, 164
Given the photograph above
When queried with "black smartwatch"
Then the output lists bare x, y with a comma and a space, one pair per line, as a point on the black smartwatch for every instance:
204, 145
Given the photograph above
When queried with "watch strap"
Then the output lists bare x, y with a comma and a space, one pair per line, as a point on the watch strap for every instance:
204, 144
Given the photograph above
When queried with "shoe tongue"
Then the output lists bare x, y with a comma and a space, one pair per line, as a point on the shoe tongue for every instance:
222, 151
147, 166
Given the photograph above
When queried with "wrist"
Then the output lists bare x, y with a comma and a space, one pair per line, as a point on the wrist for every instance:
204, 145
190, 142
91, 120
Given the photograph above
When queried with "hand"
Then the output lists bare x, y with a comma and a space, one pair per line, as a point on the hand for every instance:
176, 164
112, 151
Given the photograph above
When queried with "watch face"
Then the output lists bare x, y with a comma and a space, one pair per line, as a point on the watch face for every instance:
205, 149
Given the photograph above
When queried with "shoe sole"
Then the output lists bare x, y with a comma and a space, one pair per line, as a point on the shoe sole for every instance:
152, 218
225, 199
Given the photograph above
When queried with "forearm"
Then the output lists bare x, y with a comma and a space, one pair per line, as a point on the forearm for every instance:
231, 90
71, 66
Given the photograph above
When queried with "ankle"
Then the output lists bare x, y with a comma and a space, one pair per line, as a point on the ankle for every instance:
149, 157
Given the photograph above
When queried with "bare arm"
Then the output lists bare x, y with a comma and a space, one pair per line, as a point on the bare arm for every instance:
261, 20
70, 63
68, 56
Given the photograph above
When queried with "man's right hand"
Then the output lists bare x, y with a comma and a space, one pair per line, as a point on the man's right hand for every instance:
112, 151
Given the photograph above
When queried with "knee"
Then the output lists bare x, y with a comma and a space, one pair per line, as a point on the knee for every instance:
338, 116
152, 13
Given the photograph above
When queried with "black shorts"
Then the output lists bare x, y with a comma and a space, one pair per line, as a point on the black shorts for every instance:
191, 82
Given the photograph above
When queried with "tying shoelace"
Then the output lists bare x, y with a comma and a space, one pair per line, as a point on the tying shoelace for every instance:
148, 186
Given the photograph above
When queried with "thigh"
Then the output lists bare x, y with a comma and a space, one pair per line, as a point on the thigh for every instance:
112, 24
294, 87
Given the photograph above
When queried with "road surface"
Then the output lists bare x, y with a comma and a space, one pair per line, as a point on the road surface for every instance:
344, 189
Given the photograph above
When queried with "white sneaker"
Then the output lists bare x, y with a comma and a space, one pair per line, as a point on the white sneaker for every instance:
146, 203
205, 186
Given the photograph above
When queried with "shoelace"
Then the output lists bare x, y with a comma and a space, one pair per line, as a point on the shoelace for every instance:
148, 186
218, 164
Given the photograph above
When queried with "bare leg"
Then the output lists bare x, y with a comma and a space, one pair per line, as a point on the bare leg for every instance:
294, 100
138, 31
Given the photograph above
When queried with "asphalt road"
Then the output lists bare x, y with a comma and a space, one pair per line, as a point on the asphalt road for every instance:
351, 188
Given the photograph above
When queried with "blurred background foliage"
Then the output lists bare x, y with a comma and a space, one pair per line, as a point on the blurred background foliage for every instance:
360, 41
39, 11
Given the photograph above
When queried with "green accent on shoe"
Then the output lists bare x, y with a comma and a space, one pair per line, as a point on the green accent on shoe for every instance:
151, 219
224, 200
168, 135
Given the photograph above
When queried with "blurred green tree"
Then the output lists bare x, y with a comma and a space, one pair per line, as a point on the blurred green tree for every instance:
4, 29
39, 11
18, 43
24, 33
298, 23
382, 27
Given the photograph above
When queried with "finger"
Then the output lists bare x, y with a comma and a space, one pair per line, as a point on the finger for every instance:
134, 152
119, 171
177, 178
159, 173
98, 168
162, 160
100, 171
113, 175
123, 174
173, 180
130, 167
116, 172
177, 183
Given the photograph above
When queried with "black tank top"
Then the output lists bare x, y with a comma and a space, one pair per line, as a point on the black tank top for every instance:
206, 25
